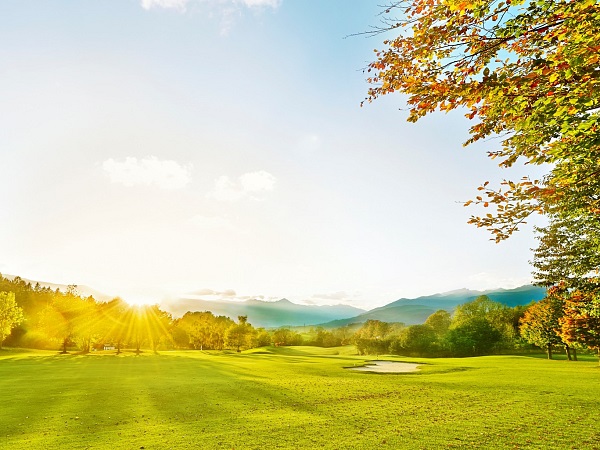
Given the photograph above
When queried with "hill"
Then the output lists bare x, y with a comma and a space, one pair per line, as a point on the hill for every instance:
416, 310
265, 314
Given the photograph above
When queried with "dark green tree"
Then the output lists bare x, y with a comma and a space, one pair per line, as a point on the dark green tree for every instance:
473, 337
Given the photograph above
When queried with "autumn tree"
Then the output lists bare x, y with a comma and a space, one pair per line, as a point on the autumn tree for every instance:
540, 324
581, 321
11, 314
526, 71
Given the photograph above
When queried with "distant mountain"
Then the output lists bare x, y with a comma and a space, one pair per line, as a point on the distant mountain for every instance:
265, 314
416, 310
84, 291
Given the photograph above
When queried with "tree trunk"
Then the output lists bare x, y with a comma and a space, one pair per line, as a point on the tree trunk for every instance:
574, 353
64, 346
549, 351
568, 350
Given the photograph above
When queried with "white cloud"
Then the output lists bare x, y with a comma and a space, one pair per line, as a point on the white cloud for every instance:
257, 181
165, 4
166, 174
247, 185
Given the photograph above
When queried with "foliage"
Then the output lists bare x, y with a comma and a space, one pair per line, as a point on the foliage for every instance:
371, 338
285, 337
11, 314
240, 336
496, 314
418, 339
439, 321
540, 323
527, 70
205, 331
114, 322
581, 321
569, 252
473, 337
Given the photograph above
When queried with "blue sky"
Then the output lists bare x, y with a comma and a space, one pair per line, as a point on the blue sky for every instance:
153, 148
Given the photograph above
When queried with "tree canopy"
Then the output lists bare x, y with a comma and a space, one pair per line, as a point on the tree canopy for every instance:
11, 314
528, 72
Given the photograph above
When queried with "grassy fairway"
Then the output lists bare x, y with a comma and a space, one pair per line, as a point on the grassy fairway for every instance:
293, 398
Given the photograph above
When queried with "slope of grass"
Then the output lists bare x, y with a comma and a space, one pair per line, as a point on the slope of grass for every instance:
299, 397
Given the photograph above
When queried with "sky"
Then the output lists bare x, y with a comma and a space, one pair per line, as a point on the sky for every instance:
155, 149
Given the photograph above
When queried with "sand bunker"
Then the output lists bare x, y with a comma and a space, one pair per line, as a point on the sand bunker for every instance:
387, 367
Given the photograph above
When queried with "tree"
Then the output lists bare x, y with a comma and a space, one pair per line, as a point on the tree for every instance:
263, 338
419, 339
324, 338
568, 253
11, 314
527, 70
87, 325
61, 319
371, 338
199, 327
581, 321
473, 337
115, 316
238, 335
285, 336
158, 323
540, 324
439, 321
495, 313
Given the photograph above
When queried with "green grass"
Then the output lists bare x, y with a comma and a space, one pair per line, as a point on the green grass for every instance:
299, 397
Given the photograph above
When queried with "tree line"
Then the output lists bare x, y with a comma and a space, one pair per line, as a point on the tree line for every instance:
39, 317
35, 316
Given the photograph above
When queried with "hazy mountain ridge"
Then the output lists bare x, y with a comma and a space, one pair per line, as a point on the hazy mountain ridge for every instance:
416, 310
265, 314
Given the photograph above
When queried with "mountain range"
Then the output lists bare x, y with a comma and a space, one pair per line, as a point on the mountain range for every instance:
265, 314
409, 311
413, 311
